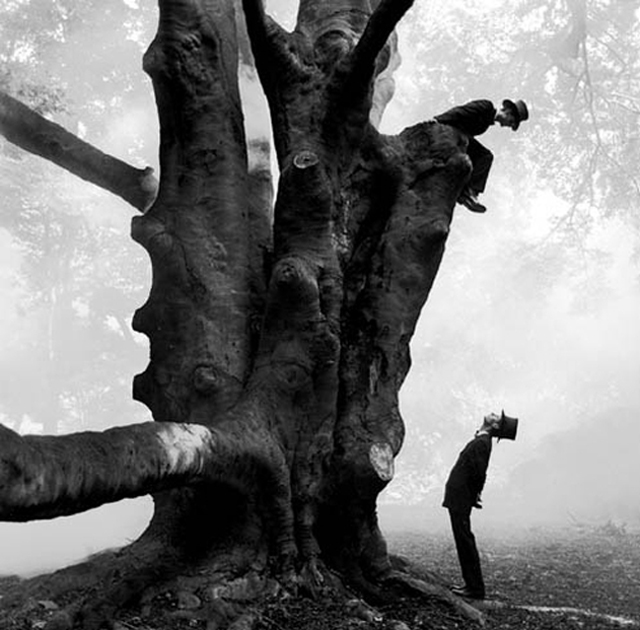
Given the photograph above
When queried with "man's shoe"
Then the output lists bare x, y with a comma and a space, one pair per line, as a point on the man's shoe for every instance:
470, 201
467, 593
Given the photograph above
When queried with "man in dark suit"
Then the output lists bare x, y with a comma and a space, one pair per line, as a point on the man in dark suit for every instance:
463, 492
473, 119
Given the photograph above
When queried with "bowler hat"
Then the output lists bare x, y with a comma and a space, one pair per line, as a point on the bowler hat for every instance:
508, 427
518, 109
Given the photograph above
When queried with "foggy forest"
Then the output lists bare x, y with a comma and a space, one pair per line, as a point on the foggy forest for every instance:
534, 311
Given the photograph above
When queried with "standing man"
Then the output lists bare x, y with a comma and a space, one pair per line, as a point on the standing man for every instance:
473, 119
463, 492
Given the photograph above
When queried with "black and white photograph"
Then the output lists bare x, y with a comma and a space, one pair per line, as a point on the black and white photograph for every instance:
319, 314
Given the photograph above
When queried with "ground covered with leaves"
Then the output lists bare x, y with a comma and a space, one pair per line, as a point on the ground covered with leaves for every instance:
583, 578
541, 579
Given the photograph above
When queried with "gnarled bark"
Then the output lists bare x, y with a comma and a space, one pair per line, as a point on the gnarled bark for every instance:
289, 371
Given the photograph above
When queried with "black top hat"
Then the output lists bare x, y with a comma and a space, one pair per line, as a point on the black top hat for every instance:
508, 427
518, 109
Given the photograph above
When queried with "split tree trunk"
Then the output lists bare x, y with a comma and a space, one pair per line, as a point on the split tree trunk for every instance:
285, 342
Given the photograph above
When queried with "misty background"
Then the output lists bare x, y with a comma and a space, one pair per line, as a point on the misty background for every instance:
535, 309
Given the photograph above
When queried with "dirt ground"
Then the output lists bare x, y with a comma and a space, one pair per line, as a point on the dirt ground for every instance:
536, 580
594, 570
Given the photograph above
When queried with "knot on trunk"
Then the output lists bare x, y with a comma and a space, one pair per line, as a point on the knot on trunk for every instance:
145, 228
207, 379
305, 159
381, 459
296, 282
291, 376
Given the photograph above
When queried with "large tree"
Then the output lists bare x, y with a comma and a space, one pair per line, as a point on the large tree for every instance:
279, 332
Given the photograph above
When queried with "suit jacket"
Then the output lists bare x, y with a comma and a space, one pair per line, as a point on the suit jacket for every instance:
473, 118
468, 474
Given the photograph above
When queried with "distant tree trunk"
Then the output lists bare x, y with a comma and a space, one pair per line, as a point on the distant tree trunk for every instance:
285, 344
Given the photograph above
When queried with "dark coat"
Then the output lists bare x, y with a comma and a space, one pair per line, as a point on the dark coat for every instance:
473, 118
468, 474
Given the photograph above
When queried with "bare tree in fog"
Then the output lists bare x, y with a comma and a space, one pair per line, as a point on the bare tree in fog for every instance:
279, 338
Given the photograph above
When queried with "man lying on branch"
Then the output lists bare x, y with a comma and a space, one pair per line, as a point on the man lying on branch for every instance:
473, 119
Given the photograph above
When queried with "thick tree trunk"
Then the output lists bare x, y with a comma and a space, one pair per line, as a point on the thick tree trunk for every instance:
365, 219
290, 370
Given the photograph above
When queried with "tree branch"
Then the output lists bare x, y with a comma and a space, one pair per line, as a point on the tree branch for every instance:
269, 41
256, 18
391, 274
379, 27
35, 134
199, 312
44, 477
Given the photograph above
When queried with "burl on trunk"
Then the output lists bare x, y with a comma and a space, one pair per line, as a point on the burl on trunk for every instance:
279, 337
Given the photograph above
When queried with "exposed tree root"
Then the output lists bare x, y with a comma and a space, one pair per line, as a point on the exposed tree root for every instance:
430, 584
125, 589
91, 592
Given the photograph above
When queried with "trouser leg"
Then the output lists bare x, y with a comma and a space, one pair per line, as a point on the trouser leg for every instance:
467, 550
481, 159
